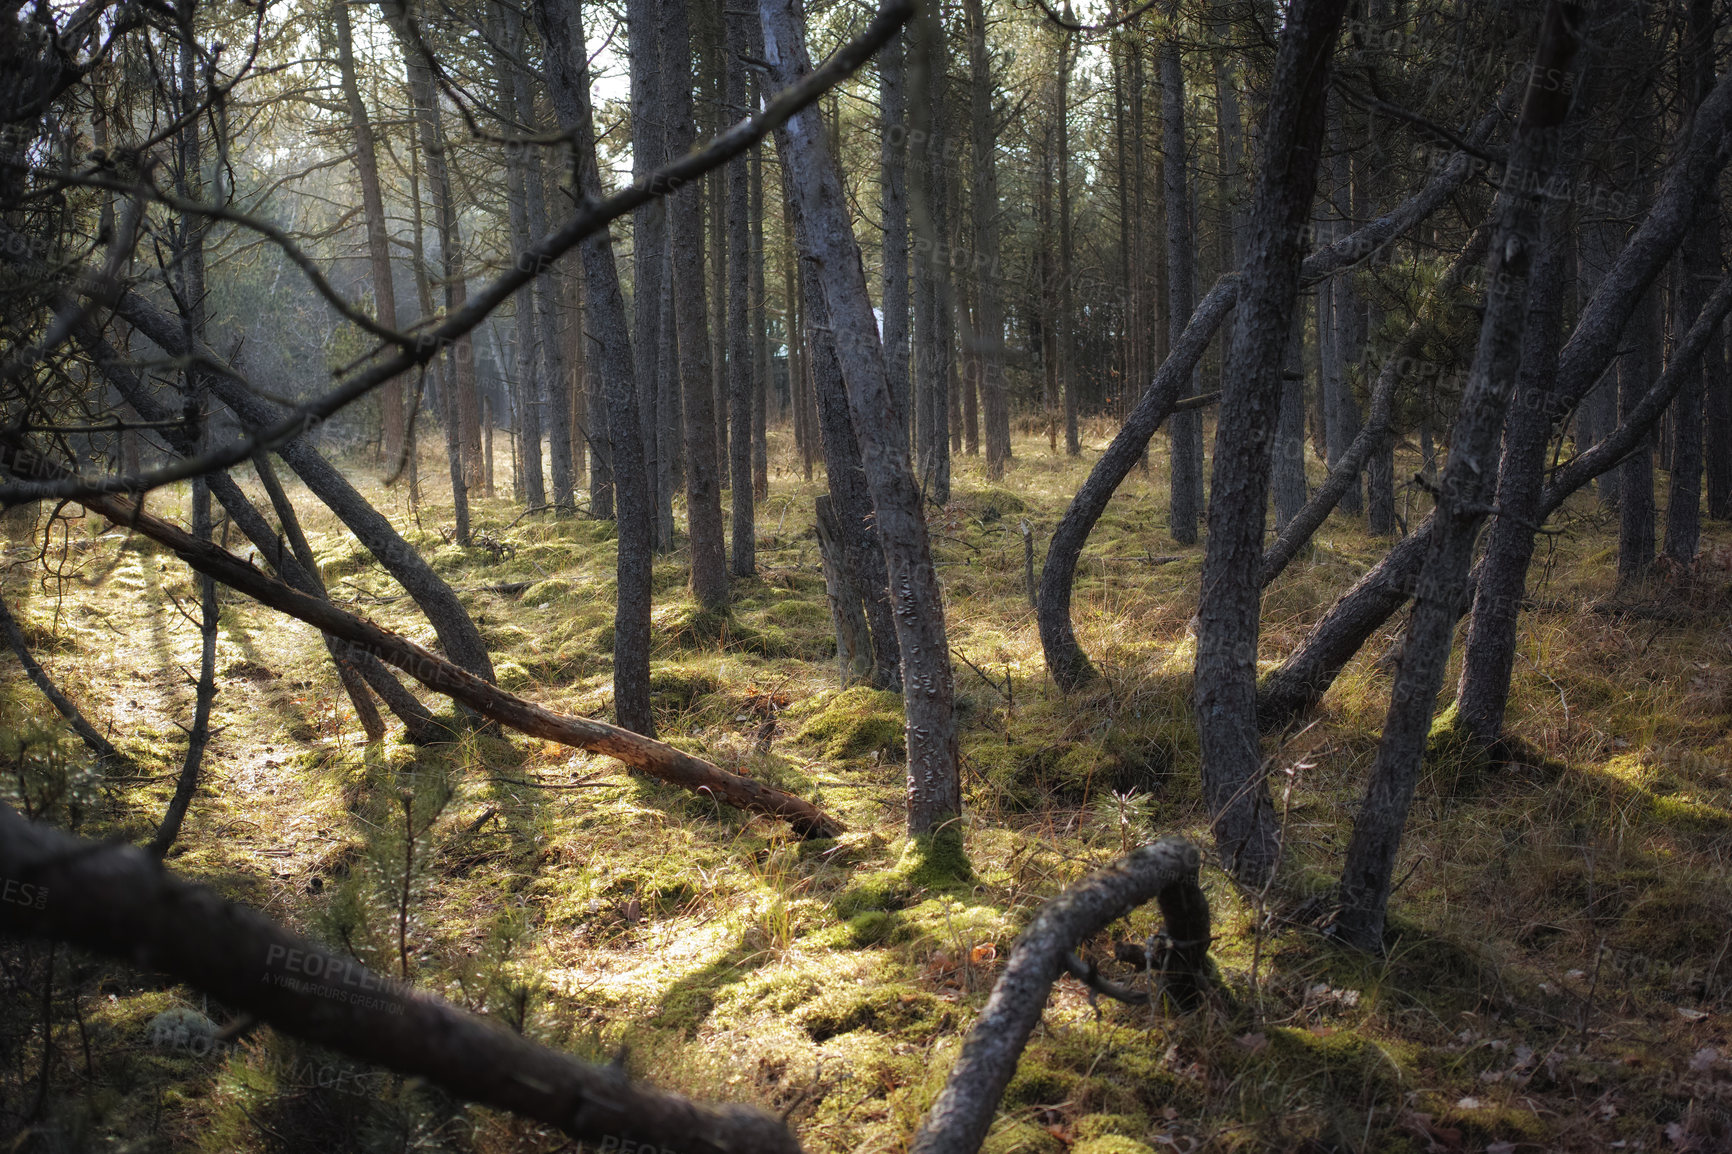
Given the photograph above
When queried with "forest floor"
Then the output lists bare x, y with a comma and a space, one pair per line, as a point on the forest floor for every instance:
1561, 946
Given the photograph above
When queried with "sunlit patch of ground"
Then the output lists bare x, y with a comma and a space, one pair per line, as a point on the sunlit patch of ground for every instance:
1557, 981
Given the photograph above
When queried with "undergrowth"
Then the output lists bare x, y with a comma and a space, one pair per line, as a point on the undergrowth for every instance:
1559, 954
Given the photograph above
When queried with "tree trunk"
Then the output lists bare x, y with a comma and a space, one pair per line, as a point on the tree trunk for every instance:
1287, 469
934, 788
649, 229
460, 378
740, 348
1185, 430
1465, 492
893, 205
560, 23
526, 389
709, 580
378, 239
1489, 657
989, 313
1227, 613
1065, 337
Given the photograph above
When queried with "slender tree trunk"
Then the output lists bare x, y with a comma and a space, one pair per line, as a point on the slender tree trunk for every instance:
1338, 328
934, 788
526, 389
1065, 337
649, 229
709, 581
1227, 612
1466, 491
560, 23
759, 303
1287, 469
460, 377
378, 239
740, 349
1184, 430
893, 205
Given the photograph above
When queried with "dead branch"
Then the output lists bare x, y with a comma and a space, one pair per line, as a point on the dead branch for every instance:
651, 756
114, 900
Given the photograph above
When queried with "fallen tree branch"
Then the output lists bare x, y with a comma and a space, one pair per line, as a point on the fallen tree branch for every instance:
114, 900
98, 744
1166, 871
651, 756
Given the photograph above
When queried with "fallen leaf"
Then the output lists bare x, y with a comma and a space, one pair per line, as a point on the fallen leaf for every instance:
984, 954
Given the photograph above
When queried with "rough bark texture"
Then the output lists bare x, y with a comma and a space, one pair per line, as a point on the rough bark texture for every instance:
567, 61
934, 790
114, 900
1466, 490
983, 191
1489, 656
1225, 694
1165, 870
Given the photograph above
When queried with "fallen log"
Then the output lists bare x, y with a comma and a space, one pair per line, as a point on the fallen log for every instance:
1165, 871
646, 754
112, 899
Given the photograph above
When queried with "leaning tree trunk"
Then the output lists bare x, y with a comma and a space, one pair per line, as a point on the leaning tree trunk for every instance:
1489, 657
1465, 492
560, 23
1299, 683
1227, 613
893, 204
928, 690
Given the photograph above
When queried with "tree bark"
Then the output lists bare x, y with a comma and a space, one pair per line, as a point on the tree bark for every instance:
989, 311
1482, 693
740, 350
460, 378
1185, 430
1225, 694
560, 23
934, 789
1465, 492
1165, 871
893, 205
378, 238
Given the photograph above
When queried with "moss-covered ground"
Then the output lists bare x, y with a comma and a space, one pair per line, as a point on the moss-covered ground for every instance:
1561, 946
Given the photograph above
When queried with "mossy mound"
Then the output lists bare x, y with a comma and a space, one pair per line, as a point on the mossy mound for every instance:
1021, 1138
1111, 1144
897, 1009
856, 723
1454, 761
678, 687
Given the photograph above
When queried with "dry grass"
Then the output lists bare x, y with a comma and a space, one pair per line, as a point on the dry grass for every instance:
1563, 948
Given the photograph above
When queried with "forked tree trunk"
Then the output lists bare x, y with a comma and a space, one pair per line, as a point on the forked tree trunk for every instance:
1465, 492
934, 789
1489, 656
